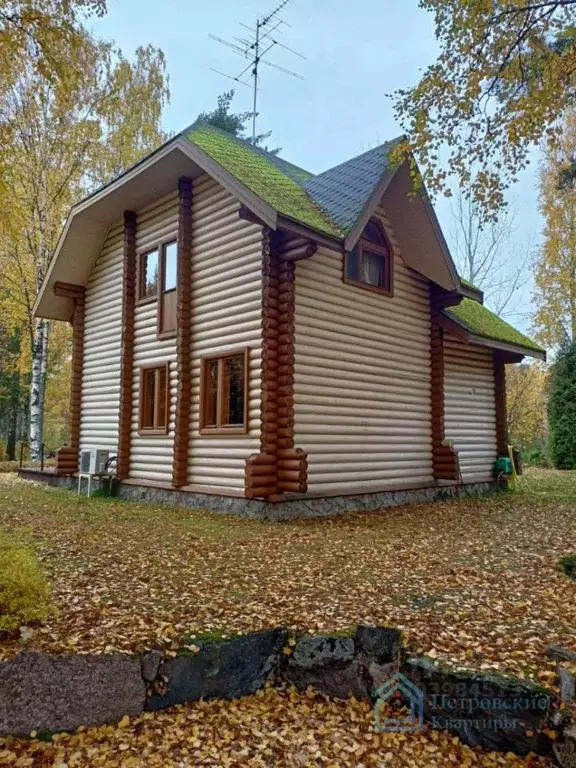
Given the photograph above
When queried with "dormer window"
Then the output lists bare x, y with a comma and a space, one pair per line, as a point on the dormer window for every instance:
369, 265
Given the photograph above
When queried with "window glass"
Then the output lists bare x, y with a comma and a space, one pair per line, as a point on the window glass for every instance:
149, 278
352, 271
148, 392
373, 269
223, 393
233, 391
153, 405
170, 262
211, 401
373, 232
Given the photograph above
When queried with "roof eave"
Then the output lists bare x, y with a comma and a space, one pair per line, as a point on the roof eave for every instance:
504, 346
471, 293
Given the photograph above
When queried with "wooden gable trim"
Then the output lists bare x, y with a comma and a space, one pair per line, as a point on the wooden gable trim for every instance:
127, 346
369, 210
183, 334
67, 457
444, 457
279, 467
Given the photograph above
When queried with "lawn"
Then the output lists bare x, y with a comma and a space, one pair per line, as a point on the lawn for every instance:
474, 581
477, 582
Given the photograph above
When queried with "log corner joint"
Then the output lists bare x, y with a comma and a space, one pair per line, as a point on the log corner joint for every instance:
279, 467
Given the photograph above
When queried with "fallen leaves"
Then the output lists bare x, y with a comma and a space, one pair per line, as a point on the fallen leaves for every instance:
269, 730
474, 582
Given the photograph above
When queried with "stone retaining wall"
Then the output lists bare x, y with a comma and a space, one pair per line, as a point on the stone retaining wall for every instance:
41, 693
289, 509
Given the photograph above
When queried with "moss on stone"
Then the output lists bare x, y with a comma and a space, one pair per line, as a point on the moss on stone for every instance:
262, 177
477, 319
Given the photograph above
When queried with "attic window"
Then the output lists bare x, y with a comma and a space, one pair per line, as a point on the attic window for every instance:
369, 265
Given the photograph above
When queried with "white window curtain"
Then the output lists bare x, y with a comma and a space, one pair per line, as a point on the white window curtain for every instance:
372, 269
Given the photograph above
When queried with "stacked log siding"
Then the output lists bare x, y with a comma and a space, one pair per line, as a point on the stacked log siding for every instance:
151, 456
362, 378
226, 315
470, 411
102, 344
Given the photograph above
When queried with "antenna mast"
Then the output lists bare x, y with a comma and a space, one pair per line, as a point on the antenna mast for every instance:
255, 49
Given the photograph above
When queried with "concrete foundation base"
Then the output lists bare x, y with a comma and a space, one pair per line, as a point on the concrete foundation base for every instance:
290, 509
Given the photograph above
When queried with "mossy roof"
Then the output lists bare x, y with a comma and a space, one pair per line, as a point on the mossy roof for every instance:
273, 180
479, 320
331, 203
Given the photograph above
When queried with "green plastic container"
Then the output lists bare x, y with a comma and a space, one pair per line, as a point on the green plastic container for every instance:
503, 466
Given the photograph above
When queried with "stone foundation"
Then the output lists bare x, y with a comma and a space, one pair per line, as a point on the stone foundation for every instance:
289, 509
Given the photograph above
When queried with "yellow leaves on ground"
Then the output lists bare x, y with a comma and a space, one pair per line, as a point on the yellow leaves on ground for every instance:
274, 729
474, 582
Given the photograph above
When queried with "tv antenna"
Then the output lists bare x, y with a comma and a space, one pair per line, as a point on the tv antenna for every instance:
263, 37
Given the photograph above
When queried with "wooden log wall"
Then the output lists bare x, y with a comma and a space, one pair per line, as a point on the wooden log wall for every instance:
279, 467
184, 334
67, 458
469, 410
362, 377
127, 353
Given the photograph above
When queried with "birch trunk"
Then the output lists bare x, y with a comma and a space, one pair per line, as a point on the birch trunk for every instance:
37, 387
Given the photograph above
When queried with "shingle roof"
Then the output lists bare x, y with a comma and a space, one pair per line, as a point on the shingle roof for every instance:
479, 320
276, 182
330, 202
344, 191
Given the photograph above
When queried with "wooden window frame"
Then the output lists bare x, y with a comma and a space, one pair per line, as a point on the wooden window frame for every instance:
161, 289
385, 251
140, 299
154, 430
221, 429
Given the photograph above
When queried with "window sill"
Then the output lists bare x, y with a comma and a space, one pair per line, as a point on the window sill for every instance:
146, 300
164, 335
367, 287
220, 431
153, 432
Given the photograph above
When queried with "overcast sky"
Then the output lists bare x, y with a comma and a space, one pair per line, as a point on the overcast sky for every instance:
356, 53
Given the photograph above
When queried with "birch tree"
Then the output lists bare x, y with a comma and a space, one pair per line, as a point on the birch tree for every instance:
555, 274
485, 254
62, 141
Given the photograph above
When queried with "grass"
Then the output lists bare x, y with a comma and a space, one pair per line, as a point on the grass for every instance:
475, 582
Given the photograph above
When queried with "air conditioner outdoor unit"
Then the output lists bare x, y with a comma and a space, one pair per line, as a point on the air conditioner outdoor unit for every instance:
93, 461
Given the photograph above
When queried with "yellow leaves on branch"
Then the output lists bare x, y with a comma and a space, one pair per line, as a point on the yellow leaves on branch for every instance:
526, 387
503, 76
555, 275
